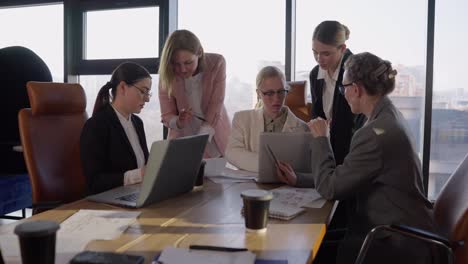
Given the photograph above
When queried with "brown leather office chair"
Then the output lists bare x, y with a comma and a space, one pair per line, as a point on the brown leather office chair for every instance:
50, 134
296, 100
451, 218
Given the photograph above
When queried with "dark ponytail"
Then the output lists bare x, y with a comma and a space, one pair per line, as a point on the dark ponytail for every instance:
103, 97
128, 72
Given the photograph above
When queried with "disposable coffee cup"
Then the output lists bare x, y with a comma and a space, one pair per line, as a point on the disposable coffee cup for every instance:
200, 175
37, 241
256, 207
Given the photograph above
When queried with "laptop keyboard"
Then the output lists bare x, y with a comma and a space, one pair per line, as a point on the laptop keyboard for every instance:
129, 197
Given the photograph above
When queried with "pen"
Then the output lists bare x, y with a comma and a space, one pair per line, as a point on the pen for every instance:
199, 117
272, 155
215, 248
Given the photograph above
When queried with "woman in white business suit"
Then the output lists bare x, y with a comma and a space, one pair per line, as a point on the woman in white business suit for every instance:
273, 116
381, 169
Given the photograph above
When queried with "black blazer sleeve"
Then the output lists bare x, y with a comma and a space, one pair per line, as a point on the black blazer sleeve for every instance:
106, 153
316, 87
344, 123
95, 148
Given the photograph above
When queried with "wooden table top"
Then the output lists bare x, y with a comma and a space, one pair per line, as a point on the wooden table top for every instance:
208, 216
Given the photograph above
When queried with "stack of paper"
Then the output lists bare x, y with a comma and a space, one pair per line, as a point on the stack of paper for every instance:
219, 170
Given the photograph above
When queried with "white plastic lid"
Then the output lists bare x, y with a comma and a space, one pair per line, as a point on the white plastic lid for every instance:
257, 195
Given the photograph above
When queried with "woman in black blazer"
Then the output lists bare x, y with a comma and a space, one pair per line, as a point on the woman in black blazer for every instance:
113, 143
330, 52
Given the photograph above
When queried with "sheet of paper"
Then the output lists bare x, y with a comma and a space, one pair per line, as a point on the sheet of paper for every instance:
231, 175
298, 197
76, 232
214, 166
185, 255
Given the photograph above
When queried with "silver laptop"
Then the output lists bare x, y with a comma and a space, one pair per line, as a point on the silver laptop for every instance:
171, 170
293, 148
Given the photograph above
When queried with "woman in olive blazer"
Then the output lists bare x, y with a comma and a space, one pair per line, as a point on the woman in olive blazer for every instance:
382, 169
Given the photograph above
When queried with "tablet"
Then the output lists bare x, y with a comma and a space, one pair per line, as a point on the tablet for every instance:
292, 148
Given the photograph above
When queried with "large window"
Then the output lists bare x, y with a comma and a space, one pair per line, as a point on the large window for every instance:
249, 34
449, 140
133, 33
38, 28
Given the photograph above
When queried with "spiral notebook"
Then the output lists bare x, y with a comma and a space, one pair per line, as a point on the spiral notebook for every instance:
288, 201
282, 212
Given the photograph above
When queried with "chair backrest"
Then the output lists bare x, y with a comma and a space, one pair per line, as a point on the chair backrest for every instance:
50, 134
18, 65
451, 210
296, 100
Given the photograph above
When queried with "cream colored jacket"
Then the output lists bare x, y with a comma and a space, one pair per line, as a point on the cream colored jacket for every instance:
242, 147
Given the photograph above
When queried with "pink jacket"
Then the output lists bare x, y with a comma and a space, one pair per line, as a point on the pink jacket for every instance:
214, 86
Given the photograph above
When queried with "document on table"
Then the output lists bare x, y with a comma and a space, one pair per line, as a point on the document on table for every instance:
219, 170
231, 175
185, 255
77, 231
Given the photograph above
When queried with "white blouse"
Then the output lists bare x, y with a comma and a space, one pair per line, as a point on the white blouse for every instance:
329, 89
132, 176
194, 92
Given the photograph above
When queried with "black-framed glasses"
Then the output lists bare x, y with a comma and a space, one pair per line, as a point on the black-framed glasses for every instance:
281, 93
143, 91
342, 87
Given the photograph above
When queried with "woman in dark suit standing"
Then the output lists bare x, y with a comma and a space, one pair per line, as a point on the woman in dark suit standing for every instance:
113, 143
330, 52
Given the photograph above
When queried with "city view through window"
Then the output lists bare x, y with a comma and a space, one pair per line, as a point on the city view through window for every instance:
250, 35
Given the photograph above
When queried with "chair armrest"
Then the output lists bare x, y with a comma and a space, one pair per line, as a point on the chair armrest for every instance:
420, 233
406, 231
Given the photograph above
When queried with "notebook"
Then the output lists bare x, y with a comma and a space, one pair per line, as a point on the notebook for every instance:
164, 176
288, 201
279, 211
292, 147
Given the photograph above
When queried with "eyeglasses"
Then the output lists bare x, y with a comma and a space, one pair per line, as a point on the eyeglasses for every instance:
343, 87
280, 93
143, 91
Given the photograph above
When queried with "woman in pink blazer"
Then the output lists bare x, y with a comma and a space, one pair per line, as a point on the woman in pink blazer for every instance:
192, 85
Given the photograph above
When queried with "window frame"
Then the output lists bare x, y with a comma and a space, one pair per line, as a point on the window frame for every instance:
75, 32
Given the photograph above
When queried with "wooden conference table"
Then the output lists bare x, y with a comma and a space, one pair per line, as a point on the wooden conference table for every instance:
209, 216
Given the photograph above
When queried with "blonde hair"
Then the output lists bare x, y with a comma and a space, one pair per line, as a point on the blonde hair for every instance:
270, 72
266, 73
331, 33
179, 40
